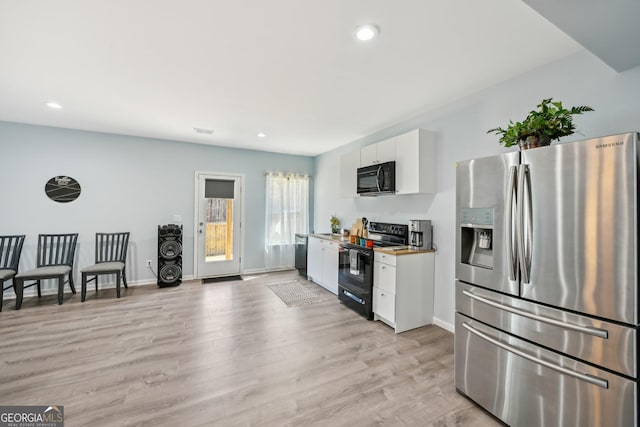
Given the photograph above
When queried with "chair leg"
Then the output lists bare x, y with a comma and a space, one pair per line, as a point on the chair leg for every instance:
73, 288
118, 284
39, 289
83, 292
124, 277
60, 290
96, 283
18, 287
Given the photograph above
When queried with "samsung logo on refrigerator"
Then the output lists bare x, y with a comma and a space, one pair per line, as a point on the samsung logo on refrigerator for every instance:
611, 144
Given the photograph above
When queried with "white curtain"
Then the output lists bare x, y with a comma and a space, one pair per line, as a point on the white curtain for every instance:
286, 213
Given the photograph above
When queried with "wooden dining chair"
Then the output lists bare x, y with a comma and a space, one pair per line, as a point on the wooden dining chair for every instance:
10, 250
111, 258
55, 257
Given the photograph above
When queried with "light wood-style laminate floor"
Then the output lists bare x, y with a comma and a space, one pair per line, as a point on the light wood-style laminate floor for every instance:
225, 354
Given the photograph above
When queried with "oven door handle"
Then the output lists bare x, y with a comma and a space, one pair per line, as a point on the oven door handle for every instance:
579, 375
353, 297
362, 252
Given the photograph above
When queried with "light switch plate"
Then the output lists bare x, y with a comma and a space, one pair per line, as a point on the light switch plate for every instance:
177, 218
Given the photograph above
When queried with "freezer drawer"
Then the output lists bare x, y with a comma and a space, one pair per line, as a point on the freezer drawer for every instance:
601, 343
525, 385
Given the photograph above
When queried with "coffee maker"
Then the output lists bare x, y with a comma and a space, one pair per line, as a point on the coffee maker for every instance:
420, 234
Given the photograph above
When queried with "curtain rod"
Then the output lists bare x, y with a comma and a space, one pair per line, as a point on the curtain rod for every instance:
287, 173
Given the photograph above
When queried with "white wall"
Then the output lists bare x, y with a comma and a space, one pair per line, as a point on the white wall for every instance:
461, 128
128, 184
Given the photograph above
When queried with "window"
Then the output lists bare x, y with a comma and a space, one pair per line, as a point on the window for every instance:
287, 208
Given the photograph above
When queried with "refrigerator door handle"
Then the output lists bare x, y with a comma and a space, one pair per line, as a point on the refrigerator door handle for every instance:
529, 222
524, 238
511, 197
597, 332
584, 377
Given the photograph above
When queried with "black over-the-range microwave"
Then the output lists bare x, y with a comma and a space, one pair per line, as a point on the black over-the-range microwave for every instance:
377, 179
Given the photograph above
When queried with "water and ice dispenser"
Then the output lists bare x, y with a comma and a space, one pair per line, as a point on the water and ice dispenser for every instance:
476, 229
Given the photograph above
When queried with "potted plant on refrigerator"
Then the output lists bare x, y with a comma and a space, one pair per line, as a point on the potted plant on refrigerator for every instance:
549, 122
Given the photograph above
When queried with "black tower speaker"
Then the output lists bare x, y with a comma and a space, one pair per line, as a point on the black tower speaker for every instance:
169, 255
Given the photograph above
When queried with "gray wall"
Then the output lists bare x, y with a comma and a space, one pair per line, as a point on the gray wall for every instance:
128, 184
576, 80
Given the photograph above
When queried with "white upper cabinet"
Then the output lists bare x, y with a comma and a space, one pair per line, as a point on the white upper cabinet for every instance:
349, 164
384, 151
415, 157
368, 155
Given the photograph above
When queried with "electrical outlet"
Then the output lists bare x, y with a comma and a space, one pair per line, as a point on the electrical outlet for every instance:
149, 263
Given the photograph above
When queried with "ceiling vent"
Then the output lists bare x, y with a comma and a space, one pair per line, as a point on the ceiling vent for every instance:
203, 131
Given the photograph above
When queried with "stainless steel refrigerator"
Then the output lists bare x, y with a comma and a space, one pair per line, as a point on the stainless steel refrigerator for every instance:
547, 283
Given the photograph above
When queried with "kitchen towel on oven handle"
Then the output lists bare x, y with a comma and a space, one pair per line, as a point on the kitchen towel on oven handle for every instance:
353, 262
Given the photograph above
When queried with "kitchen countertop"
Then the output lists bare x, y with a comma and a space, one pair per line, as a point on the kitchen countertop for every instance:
398, 250
332, 237
402, 250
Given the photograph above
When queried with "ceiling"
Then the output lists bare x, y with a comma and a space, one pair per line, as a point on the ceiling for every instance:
609, 29
289, 68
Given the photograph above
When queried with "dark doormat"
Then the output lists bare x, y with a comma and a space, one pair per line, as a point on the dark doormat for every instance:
221, 279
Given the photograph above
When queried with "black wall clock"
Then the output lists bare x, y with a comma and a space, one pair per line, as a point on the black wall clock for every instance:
63, 189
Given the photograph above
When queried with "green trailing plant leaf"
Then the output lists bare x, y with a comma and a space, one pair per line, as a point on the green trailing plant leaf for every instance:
335, 223
551, 120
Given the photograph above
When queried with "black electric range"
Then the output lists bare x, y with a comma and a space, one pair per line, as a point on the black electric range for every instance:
355, 266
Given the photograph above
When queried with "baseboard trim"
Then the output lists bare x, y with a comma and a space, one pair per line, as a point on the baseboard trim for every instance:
207, 280
32, 292
265, 270
444, 325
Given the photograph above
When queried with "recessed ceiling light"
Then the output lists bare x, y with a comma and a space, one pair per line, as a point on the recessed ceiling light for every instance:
367, 32
262, 135
53, 105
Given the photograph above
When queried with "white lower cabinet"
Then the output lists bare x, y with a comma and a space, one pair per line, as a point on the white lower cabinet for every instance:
322, 263
314, 257
384, 304
403, 289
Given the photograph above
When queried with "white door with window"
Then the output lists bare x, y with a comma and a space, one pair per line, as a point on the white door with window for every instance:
217, 225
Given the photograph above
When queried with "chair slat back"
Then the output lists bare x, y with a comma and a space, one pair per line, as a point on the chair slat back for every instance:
111, 247
56, 249
10, 250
